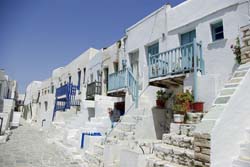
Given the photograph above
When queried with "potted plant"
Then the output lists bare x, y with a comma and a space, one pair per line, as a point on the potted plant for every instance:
236, 50
198, 106
161, 98
182, 105
179, 113
185, 99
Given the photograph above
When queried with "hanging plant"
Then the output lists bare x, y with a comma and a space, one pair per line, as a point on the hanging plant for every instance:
236, 50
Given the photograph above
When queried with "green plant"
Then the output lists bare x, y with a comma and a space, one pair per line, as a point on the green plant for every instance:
163, 95
236, 50
182, 102
184, 97
179, 109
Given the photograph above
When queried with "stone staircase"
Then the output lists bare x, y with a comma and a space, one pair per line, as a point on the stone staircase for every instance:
176, 148
244, 158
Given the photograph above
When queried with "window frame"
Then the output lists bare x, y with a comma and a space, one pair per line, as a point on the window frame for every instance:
215, 25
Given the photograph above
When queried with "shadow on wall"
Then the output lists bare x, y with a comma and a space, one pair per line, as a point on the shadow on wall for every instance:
162, 119
217, 44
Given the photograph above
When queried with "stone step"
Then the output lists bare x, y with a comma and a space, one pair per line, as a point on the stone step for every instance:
122, 135
174, 154
182, 141
98, 149
245, 150
126, 126
182, 129
156, 162
93, 159
131, 118
241, 163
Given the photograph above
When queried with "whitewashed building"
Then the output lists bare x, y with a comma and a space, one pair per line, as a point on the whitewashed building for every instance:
8, 97
186, 47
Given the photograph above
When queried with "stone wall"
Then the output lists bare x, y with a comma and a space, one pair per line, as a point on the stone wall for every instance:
245, 49
202, 150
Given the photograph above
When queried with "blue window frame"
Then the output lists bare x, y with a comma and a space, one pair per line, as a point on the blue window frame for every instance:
79, 80
153, 49
188, 37
217, 31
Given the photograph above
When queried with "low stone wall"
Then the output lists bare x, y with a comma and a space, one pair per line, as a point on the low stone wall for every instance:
182, 129
245, 49
202, 149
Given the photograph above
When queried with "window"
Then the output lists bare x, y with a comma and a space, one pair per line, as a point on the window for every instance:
79, 80
217, 31
91, 78
188, 37
69, 79
46, 106
52, 89
115, 67
84, 74
153, 49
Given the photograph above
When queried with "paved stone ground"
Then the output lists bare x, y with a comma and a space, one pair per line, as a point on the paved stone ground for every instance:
27, 148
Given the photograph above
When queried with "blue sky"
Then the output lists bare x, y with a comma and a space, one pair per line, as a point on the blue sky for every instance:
37, 36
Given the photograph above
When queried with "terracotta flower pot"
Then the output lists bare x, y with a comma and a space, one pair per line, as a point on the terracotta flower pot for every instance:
160, 103
198, 106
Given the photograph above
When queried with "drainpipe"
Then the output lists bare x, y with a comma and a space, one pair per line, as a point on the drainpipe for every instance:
195, 69
1, 118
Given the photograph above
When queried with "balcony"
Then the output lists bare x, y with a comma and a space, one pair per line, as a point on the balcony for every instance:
169, 68
94, 88
117, 81
65, 97
121, 81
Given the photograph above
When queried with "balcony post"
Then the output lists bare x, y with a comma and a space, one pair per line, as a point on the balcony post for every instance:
195, 51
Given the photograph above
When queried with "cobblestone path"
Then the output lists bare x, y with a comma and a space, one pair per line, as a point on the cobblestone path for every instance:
27, 148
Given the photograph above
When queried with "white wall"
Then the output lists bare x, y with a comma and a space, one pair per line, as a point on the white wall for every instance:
229, 129
218, 56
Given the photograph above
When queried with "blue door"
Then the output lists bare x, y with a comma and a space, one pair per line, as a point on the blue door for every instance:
188, 37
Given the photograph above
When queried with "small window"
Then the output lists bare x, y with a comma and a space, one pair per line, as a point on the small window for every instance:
115, 67
84, 74
52, 89
46, 106
217, 31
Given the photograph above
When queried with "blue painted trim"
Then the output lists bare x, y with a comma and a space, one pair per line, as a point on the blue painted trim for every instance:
195, 56
89, 134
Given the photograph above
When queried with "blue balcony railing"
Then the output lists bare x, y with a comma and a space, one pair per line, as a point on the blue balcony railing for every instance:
65, 98
124, 79
117, 80
178, 60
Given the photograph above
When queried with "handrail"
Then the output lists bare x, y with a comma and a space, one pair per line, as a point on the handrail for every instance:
128, 110
132, 85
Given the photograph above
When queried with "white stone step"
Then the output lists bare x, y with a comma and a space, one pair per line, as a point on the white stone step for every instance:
122, 135
131, 118
93, 159
241, 163
245, 148
126, 126
98, 149
156, 162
